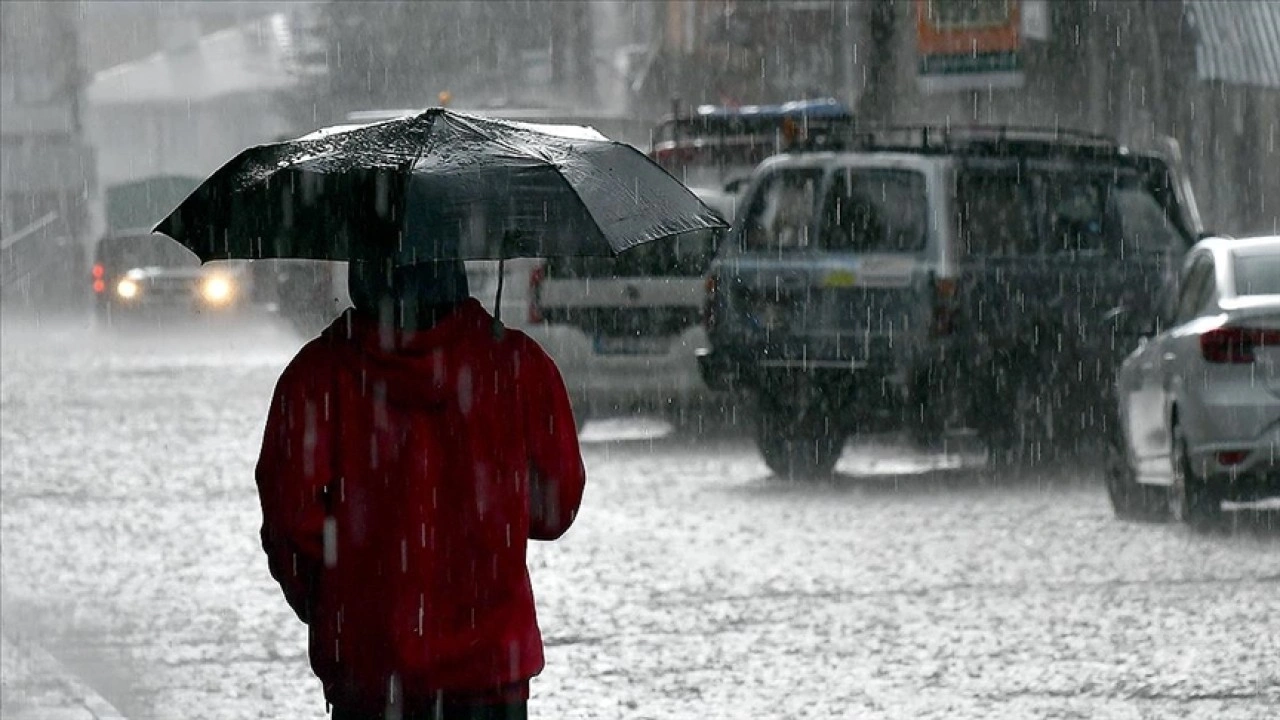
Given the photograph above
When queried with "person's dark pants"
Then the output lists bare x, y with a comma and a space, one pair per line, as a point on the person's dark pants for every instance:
451, 710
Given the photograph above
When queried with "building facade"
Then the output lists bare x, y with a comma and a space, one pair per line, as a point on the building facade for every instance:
48, 185
1203, 73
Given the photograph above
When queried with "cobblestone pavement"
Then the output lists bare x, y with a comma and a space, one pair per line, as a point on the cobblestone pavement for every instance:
693, 586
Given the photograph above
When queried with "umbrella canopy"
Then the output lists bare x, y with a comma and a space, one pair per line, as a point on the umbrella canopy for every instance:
438, 185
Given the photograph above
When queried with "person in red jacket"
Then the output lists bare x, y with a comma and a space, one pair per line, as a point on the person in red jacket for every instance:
410, 453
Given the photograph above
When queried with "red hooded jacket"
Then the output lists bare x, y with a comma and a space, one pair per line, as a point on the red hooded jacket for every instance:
401, 475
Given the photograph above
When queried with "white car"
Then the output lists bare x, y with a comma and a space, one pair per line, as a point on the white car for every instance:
1199, 400
624, 331
140, 275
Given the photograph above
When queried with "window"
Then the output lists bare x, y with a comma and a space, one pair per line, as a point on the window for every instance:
992, 218
1197, 290
1257, 273
1144, 226
875, 211
1000, 213
781, 213
1075, 213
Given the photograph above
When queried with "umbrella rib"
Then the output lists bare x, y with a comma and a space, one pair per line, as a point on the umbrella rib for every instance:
586, 208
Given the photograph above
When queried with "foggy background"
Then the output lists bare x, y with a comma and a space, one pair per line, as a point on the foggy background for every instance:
100, 96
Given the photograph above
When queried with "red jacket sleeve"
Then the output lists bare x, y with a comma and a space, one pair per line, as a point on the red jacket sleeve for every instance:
557, 475
292, 475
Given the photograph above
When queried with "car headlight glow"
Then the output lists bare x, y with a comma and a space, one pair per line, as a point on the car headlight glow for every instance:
127, 289
216, 290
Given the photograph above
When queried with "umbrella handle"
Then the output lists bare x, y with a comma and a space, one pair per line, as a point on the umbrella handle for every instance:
497, 303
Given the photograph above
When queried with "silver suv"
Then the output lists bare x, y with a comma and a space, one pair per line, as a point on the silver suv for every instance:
936, 282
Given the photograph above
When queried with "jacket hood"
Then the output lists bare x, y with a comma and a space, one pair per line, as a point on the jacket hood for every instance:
415, 368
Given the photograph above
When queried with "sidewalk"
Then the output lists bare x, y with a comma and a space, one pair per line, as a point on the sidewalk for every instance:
35, 686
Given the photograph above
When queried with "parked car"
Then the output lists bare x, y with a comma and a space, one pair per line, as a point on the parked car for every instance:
624, 331
1198, 402
145, 275
941, 282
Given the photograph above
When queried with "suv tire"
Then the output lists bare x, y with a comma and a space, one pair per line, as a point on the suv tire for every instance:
796, 440
1193, 499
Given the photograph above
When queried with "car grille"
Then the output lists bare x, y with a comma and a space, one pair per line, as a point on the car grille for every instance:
170, 288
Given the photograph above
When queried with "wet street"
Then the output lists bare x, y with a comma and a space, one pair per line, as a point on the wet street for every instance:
692, 586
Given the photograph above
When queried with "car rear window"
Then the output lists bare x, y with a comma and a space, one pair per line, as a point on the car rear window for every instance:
993, 215
685, 255
1006, 213
1257, 273
875, 211
1145, 227
780, 216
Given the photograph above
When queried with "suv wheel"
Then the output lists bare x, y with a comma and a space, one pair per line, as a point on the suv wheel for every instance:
1193, 499
797, 440
1130, 499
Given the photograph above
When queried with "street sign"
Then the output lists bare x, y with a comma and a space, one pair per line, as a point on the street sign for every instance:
969, 44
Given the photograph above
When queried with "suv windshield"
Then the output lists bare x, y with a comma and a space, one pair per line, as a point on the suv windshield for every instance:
1007, 213
686, 255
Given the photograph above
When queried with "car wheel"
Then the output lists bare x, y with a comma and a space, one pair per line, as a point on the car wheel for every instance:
1130, 499
797, 441
1193, 498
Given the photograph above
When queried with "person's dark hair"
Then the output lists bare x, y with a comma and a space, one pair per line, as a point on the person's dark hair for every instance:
412, 295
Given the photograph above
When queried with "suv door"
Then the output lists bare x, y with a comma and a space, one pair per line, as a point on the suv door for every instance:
1046, 250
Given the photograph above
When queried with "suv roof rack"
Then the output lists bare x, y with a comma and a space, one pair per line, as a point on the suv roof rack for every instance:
960, 139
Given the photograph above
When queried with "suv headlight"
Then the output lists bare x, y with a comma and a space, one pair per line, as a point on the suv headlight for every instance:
217, 290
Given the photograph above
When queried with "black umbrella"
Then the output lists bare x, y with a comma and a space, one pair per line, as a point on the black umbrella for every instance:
439, 185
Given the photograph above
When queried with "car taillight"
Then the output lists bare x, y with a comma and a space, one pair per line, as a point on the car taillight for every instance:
672, 158
99, 281
1232, 457
536, 277
944, 305
1235, 345
709, 302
